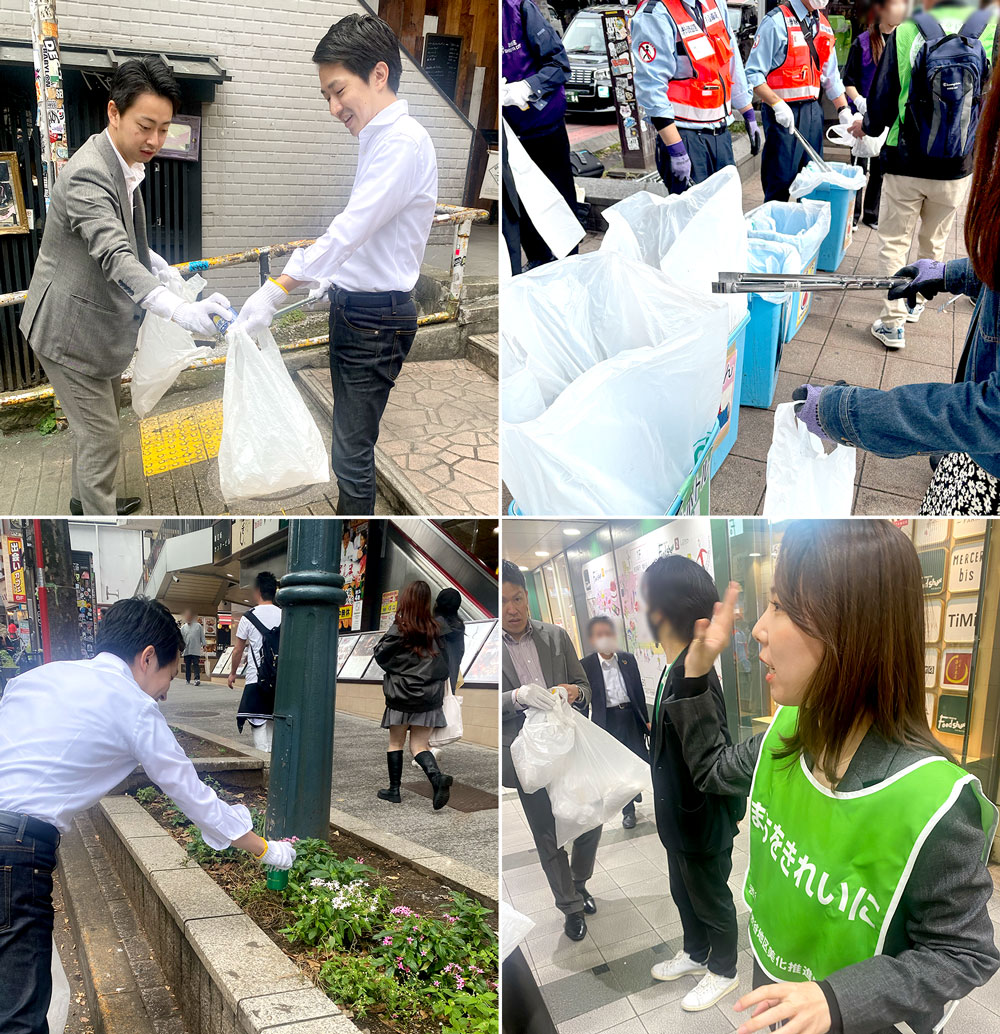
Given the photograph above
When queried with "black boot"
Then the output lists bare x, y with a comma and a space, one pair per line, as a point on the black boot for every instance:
441, 782
394, 759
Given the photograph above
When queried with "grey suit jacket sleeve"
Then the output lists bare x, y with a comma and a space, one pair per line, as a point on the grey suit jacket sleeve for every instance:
946, 922
574, 671
715, 766
91, 211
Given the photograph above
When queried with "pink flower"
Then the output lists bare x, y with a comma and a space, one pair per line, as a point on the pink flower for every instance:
437, 983
387, 940
409, 940
423, 952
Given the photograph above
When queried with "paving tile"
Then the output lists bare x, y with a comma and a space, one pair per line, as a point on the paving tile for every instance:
598, 1020
738, 487
754, 438
902, 369
569, 967
872, 503
972, 1017
851, 365
799, 356
609, 930
583, 993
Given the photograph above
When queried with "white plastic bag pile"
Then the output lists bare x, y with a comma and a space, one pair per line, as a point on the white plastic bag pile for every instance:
803, 224
803, 480
588, 775
811, 176
605, 364
270, 442
164, 348
686, 235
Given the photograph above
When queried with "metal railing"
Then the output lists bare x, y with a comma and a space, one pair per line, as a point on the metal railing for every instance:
445, 215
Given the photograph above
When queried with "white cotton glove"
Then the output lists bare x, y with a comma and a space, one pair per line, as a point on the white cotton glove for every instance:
846, 116
279, 855
259, 309
518, 94
197, 316
318, 294
861, 105
157, 262
537, 696
783, 115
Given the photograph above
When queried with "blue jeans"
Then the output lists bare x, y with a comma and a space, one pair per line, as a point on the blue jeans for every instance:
370, 336
26, 865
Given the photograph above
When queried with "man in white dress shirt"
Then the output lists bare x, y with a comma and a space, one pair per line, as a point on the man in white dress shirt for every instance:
369, 258
70, 731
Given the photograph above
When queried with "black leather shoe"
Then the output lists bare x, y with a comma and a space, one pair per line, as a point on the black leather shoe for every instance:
123, 506
628, 821
575, 926
589, 904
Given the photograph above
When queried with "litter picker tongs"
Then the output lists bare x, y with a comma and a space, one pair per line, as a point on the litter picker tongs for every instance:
808, 148
766, 283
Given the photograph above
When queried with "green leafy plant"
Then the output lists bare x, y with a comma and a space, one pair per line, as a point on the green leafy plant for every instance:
48, 424
146, 794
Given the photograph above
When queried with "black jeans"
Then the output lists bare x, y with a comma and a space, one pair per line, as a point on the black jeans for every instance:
699, 887
192, 666
782, 156
370, 336
708, 149
866, 207
550, 152
26, 865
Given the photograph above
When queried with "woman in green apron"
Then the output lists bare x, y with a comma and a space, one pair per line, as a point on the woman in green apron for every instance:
867, 884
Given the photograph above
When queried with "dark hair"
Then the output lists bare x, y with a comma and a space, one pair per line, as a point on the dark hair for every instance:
129, 626
875, 30
143, 75
857, 587
681, 590
982, 216
414, 621
510, 572
448, 602
601, 619
359, 42
266, 584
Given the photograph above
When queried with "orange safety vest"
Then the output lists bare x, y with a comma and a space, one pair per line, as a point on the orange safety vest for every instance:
798, 78
706, 96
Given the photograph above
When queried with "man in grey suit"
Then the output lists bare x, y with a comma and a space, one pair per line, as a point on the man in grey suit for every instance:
95, 275
536, 654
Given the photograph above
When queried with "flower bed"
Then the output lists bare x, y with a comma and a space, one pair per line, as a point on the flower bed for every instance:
385, 942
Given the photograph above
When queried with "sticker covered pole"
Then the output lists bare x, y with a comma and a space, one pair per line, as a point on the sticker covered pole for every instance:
49, 90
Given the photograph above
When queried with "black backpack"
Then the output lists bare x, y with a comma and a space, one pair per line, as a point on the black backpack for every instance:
949, 77
267, 662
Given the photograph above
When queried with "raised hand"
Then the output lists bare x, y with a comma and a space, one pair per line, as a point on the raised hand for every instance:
712, 637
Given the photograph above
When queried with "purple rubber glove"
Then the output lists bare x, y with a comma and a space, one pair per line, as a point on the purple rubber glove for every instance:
806, 399
754, 131
927, 279
680, 163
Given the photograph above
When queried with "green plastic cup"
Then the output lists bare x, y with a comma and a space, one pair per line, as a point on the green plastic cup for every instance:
277, 879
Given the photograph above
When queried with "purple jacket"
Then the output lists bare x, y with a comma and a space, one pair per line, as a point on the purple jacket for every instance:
533, 51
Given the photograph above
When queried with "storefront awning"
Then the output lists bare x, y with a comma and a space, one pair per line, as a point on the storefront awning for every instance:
85, 57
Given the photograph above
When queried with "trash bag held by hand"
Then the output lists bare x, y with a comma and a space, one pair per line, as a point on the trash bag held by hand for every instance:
164, 348
541, 748
451, 732
803, 480
270, 442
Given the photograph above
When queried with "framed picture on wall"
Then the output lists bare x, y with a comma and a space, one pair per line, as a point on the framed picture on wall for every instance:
183, 139
13, 217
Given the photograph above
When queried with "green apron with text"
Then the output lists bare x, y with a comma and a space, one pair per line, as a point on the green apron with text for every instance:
827, 869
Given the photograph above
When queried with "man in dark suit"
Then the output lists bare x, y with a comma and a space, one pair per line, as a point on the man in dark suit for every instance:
618, 701
538, 657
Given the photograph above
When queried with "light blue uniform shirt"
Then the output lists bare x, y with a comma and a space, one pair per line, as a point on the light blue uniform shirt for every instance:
770, 49
652, 24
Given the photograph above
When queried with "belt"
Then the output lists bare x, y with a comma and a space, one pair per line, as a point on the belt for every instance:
24, 825
622, 707
369, 298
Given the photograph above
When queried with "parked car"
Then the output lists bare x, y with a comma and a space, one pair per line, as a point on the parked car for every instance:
589, 86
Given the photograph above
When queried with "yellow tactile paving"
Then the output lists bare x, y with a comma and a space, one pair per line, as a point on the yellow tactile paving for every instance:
180, 438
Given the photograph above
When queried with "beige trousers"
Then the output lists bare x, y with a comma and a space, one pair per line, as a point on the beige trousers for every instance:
905, 200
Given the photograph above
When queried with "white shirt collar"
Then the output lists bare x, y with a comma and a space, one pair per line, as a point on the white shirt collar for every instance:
610, 661
134, 174
385, 117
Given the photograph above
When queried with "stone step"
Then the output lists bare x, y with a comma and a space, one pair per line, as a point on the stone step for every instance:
437, 451
481, 316
484, 351
126, 989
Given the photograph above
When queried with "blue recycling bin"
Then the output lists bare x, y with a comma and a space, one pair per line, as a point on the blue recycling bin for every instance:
841, 202
769, 318
732, 390
804, 225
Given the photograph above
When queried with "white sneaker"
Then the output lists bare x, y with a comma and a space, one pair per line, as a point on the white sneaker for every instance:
681, 965
891, 337
914, 314
710, 989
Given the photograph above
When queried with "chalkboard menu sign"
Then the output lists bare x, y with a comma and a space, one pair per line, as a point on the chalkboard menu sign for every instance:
442, 58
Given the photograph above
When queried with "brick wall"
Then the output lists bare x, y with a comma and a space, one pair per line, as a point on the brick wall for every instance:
275, 165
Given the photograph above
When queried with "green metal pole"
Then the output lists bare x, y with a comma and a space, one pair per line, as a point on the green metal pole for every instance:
310, 597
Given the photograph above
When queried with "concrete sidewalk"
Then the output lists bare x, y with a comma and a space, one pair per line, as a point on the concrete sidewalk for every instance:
359, 770
602, 983
835, 343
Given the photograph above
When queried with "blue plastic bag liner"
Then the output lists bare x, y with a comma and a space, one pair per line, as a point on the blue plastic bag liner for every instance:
605, 365
773, 257
684, 235
803, 223
847, 177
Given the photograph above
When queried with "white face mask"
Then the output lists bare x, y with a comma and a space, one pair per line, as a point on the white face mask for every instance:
818, 5
605, 644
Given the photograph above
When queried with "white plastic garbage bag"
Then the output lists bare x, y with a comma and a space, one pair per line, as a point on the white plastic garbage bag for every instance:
514, 927
804, 224
59, 1002
866, 147
803, 480
605, 365
270, 442
542, 747
452, 708
546, 207
773, 257
689, 236
811, 176
164, 348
